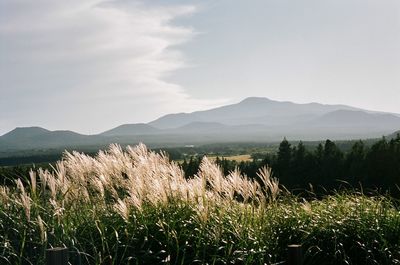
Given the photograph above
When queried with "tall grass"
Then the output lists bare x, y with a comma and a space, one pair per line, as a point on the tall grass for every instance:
134, 206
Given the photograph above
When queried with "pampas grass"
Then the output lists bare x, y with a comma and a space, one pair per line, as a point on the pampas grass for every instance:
135, 206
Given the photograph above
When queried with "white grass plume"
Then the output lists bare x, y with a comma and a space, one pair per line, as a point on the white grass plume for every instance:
121, 180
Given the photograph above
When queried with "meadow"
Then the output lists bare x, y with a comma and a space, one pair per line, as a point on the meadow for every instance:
237, 158
135, 206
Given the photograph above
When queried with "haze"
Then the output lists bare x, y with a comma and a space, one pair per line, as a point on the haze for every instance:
91, 65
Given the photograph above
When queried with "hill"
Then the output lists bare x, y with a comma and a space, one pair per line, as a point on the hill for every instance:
252, 119
21, 132
26, 138
131, 129
253, 110
359, 118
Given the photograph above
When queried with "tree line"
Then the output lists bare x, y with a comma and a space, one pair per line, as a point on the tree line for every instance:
327, 166
324, 168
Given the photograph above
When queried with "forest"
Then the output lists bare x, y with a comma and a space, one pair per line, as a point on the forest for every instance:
325, 167
300, 166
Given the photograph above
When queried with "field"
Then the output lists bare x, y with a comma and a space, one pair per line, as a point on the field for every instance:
237, 158
134, 206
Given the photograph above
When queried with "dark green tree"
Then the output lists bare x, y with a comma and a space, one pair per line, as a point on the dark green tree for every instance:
283, 162
355, 167
332, 164
300, 167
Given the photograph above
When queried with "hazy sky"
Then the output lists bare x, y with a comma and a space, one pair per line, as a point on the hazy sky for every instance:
89, 65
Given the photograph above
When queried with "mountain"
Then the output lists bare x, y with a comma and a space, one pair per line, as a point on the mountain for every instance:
131, 129
22, 132
252, 119
36, 137
351, 124
253, 110
196, 127
262, 118
171, 121
358, 118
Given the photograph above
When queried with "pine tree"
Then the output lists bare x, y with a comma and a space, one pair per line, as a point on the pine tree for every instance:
283, 163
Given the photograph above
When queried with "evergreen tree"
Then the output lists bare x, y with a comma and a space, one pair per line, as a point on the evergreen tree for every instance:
332, 164
283, 163
317, 170
300, 165
379, 164
355, 163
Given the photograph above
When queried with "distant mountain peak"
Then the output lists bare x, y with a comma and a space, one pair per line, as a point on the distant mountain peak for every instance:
32, 128
21, 131
255, 100
251, 110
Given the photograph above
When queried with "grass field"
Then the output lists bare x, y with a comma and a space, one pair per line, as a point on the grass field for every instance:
135, 207
238, 158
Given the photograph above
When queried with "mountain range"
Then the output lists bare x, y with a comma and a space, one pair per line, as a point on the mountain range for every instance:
252, 119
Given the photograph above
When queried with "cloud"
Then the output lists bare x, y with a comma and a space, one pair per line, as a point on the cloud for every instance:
88, 65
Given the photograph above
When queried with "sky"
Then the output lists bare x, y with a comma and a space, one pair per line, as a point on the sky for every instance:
90, 65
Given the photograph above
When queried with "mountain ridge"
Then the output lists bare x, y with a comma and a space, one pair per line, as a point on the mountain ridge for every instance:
130, 129
251, 107
252, 119
20, 131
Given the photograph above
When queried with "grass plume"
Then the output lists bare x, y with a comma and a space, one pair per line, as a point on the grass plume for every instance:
135, 206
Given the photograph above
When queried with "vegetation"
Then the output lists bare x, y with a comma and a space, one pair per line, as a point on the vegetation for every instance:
325, 167
256, 149
8, 175
237, 158
137, 207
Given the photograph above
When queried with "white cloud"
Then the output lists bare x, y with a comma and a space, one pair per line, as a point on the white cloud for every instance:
88, 65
